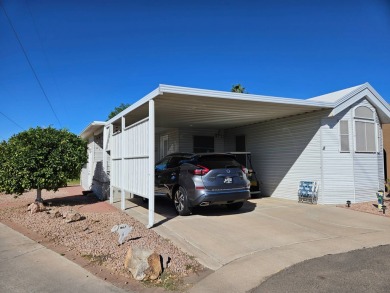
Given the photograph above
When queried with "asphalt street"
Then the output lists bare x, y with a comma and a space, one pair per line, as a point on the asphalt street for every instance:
364, 270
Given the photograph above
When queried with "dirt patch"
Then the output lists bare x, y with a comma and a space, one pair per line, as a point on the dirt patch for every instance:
90, 242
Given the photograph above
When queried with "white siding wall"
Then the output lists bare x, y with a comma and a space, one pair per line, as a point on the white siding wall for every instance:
86, 172
284, 151
186, 139
98, 147
136, 155
381, 158
116, 156
133, 169
338, 176
173, 142
116, 146
84, 177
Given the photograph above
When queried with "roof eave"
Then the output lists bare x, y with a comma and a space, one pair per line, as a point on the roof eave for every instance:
137, 104
365, 91
91, 128
240, 96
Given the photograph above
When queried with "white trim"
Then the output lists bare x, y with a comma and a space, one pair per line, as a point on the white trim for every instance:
140, 102
111, 164
375, 135
239, 96
353, 155
162, 139
376, 138
322, 190
363, 118
151, 147
91, 128
339, 134
136, 157
123, 178
136, 123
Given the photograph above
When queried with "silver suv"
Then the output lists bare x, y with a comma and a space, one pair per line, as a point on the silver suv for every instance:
202, 179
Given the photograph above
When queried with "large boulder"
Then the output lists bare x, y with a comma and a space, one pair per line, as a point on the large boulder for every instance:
143, 264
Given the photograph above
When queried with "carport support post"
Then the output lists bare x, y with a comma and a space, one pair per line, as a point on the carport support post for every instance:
151, 163
123, 178
111, 188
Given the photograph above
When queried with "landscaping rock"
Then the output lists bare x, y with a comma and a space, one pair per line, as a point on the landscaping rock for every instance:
166, 260
97, 241
143, 264
72, 216
55, 214
123, 230
155, 269
36, 207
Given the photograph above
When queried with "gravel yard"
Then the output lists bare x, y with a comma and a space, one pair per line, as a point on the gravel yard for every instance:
370, 207
91, 237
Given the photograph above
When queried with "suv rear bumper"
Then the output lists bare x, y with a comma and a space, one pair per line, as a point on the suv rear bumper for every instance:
208, 197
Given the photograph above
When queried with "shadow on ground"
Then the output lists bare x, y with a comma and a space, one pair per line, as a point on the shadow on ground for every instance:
164, 207
72, 200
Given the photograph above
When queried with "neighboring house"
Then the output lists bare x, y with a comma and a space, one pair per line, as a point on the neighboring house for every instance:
334, 139
95, 176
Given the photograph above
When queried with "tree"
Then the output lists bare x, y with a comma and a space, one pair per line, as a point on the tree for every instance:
117, 110
238, 88
40, 158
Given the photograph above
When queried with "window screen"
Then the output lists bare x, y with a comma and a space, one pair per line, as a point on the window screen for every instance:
365, 137
203, 144
364, 112
344, 136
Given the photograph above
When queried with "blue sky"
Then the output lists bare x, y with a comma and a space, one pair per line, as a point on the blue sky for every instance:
90, 56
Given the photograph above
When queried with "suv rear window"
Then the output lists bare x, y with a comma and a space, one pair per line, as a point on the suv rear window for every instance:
218, 161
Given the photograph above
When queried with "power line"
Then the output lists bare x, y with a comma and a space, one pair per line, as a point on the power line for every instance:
49, 65
12, 121
29, 62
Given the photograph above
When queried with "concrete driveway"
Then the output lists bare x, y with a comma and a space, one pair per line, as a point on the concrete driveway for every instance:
267, 235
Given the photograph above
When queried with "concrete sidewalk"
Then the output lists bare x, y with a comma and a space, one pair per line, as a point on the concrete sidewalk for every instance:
26, 266
266, 236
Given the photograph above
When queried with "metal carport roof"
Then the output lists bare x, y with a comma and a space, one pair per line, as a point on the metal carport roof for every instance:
190, 107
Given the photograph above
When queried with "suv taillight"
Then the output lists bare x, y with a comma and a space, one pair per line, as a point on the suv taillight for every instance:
200, 170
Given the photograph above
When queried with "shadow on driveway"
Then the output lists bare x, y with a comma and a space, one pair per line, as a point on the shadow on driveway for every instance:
165, 208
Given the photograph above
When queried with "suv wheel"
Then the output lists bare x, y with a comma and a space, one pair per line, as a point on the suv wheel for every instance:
181, 202
235, 206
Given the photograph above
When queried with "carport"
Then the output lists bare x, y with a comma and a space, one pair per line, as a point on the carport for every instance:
129, 137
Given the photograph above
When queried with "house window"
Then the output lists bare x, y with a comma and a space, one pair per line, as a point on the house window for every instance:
203, 144
344, 136
365, 130
240, 143
364, 113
